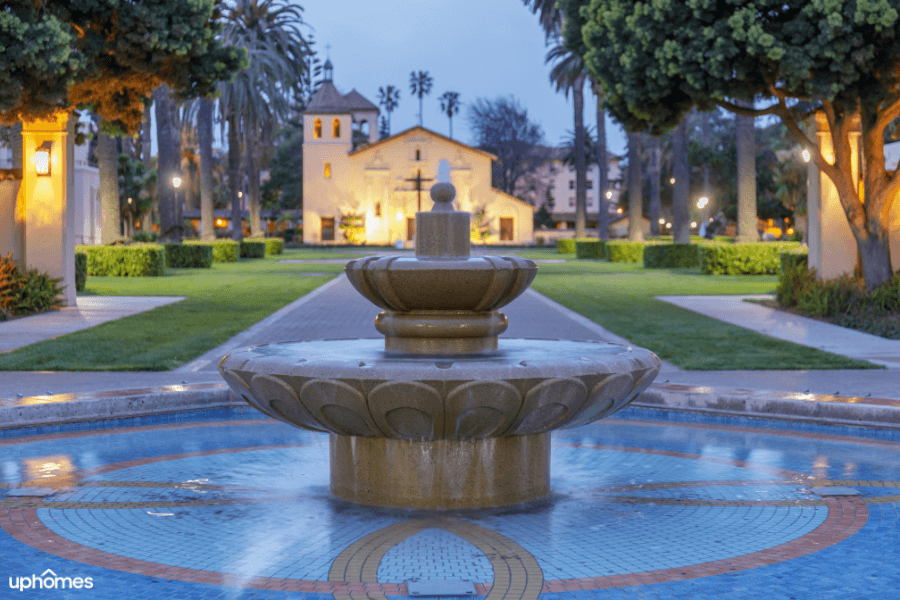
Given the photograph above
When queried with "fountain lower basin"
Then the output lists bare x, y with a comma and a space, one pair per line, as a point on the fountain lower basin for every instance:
437, 431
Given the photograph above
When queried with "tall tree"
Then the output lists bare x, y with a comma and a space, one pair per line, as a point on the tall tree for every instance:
746, 176
602, 161
837, 59
569, 74
635, 188
681, 233
654, 170
450, 106
205, 140
168, 139
502, 126
389, 98
259, 96
420, 85
110, 217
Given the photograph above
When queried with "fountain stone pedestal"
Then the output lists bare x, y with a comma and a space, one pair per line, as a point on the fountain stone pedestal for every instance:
440, 415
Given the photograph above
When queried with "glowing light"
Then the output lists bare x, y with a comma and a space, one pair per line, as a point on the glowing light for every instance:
693, 224
672, 181
661, 221
668, 226
806, 155
399, 215
619, 211
129, 201
609, 195
702, 202
42, 161
790, 231
176, 182
240, 194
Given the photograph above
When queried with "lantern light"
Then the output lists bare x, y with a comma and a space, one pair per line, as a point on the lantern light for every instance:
176, 182
609, 195
806, 155
42, 159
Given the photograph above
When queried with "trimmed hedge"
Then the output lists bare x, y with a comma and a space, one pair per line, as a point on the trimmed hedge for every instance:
590, 249
223, 250
273, 245
135, 260
796, 278
253, 249
80, 271
671, 256
625, 251
189, 256
755, 258
567, 246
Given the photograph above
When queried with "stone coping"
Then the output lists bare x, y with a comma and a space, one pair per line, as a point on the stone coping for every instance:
40, 411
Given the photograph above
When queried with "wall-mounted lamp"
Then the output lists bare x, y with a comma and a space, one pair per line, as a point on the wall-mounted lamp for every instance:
42, 159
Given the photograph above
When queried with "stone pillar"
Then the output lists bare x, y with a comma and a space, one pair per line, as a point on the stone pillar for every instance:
49, 241
832, 247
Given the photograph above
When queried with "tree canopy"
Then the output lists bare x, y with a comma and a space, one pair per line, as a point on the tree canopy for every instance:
109, 54
659, 59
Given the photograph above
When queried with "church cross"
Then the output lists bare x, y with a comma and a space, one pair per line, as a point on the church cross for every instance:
418, 179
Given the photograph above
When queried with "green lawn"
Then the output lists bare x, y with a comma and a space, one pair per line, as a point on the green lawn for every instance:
221, 302
620, 297
230, 297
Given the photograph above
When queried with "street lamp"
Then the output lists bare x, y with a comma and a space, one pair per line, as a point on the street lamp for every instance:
176, 182
703, 201
806, 155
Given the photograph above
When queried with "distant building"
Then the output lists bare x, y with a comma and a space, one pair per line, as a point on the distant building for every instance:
362, 189
550, 179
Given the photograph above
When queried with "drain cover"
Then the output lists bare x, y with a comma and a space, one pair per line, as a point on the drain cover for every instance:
835, 491
450, 587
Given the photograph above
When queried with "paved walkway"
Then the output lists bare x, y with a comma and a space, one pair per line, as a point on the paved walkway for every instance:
336, 310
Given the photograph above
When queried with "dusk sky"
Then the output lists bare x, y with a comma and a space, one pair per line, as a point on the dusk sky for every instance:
479, 48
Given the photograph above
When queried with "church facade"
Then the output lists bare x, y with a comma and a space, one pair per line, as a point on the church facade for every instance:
359, 189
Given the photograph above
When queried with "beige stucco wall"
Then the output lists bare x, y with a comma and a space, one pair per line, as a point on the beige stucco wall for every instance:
323, 197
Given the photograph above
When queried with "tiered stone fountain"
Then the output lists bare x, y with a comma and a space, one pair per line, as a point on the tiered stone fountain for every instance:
440, 415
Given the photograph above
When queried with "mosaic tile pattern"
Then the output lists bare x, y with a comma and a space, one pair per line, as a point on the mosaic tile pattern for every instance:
637, 506
435, 554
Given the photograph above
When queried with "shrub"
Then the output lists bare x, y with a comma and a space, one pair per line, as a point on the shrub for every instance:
223, 250
135, 260
187, 256
565, 246
253, 249
80, 271
145, 236
755, 258
796, 277
273, 245
671, 256
590, 249
25, 293
625, 251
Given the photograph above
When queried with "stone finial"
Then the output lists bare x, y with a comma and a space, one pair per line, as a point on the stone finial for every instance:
443, 194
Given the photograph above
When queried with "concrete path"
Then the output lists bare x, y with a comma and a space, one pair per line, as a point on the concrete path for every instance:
91, 310
793, 328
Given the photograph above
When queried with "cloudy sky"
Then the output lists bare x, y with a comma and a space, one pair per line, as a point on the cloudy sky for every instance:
479, 48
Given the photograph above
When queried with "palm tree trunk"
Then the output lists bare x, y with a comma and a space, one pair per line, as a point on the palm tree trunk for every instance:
635, 184
654, 168
205, 140
110, 214
147, 159
681, 231
168, 137
602, 164
746, 173
253, 191
580, 159
234, 177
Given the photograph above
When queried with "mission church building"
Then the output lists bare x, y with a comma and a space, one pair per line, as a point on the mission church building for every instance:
377, 186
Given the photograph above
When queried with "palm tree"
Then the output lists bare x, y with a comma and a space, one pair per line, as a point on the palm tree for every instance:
450, 106
389, 98
420, 85
549, 16
259, 96
602, 164
204, 140
569, 73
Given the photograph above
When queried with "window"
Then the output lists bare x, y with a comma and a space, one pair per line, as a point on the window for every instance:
336, 128
418, 154
378, 209
317, 128
327, 229
571, 184
590, 183
571, 201
327, 170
